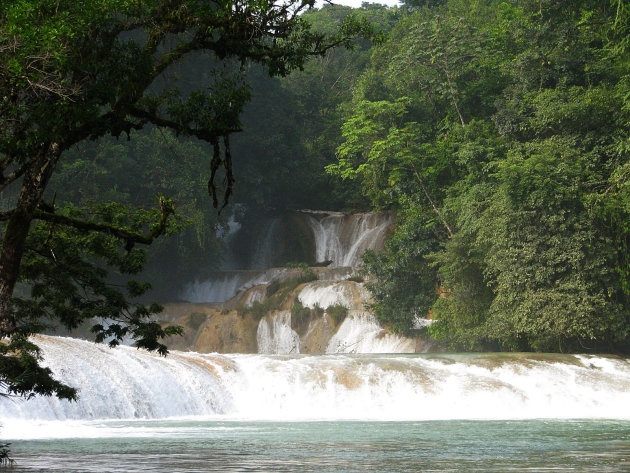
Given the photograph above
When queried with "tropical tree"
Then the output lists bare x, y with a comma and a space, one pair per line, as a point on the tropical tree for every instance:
73, 71
498, 131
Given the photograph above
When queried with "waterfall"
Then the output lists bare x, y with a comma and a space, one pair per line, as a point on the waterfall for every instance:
340, 238
127, 383
361, 333
254, 294
275, 335
265, 247
325, 293
222, 286
343, 238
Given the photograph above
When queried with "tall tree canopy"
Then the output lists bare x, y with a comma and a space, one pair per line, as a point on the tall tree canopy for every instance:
72, 71
499, 132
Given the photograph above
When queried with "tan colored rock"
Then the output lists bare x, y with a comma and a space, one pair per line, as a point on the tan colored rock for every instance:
227, 333
317, 336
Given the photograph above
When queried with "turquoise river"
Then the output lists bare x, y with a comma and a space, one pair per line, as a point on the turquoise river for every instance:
331, 413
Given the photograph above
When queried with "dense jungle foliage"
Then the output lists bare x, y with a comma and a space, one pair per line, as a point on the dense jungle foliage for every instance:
500, 133
497, 131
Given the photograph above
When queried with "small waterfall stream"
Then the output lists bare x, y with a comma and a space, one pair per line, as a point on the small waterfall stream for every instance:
277, 336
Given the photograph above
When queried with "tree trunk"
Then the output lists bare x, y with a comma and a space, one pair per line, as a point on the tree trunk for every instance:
35, 180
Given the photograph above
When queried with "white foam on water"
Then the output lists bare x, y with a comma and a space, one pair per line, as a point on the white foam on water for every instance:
326, 293
120, 383
126, 383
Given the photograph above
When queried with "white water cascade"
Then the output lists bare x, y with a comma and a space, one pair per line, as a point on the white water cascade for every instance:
340, 238
326, 293
121, 383
127, 383
222, 286
275, 335
343, 238
360, 332
226, 284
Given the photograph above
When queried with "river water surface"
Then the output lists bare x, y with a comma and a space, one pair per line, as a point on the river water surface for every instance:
188, 412
339, 447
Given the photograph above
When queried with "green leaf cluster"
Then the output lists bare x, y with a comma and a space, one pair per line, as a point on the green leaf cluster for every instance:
498, 132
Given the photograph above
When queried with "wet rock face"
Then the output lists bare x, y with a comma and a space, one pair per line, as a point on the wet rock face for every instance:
323, 316
227, 333
260, 308
318, 335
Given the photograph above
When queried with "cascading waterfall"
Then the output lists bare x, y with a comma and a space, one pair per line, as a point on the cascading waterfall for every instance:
222, 287
343, 238
226, 284
275, 335
340, 238
126, 383
121, 383
360, 332
326, 293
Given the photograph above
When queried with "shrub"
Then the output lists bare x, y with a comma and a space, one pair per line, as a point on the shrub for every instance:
5, 455
195, 320
273, 287
258, 310
317, 310
241, 310
338, 312
299, 313
356, 278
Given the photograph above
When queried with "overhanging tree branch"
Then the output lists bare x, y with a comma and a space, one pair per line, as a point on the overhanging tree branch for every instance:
13, 176
131, 237
203, 134
166, 210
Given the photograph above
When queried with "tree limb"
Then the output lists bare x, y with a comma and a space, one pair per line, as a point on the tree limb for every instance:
435, 208
131, 237
206, 135
16, 174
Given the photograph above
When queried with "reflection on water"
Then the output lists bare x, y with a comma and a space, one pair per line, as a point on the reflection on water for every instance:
339, 447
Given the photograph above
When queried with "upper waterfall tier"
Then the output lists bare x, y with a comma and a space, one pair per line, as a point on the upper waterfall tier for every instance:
333, 239
343, 238
307, 236
127, 383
